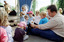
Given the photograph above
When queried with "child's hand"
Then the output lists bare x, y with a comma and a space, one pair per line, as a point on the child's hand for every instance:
22, 13
24, 28
32, 25
32, 22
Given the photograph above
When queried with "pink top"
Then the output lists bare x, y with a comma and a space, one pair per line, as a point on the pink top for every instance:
3, 35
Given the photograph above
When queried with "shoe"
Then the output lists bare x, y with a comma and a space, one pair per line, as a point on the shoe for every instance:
25, 37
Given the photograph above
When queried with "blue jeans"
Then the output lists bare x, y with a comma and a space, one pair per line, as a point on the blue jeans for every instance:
48, 34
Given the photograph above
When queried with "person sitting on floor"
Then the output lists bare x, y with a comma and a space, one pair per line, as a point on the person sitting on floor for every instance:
44, 19
31, 18
37, 16
5, 24
20, 34
26, 18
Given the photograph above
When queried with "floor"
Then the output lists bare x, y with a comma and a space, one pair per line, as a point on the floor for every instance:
33, 38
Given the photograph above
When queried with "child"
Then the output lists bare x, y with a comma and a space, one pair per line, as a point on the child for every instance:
3, 35
7, 7
44, 19
5, 24
60, 10
23, 13
26, 18
19, 32
31, 18
37, 17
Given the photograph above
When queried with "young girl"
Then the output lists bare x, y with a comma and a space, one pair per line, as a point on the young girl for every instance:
31, 18
23, 13
37, 17
5, 24
20, 33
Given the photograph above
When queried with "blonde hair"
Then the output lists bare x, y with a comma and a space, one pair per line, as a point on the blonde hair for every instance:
26, 16
3, 17
43, 13
60, 10
37, 11
23, 7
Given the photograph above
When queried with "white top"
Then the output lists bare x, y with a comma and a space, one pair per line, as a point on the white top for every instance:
24, 13
56, 24
9, 33
37, 19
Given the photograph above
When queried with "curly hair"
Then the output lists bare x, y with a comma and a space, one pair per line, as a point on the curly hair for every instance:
43, 13
3, 17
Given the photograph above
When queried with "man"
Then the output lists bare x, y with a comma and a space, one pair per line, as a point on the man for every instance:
54, 29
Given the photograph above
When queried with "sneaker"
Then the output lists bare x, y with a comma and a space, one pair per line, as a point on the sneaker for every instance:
25, 37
